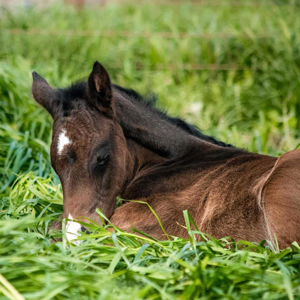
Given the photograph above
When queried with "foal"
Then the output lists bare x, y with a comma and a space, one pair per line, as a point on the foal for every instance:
104, 146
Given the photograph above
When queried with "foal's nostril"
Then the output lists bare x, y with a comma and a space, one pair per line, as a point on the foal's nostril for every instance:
83, 229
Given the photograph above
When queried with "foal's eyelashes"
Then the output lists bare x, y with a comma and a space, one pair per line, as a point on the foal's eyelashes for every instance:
71, 157
103, 160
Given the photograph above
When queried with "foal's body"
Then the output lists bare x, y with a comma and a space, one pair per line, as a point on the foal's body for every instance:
123, 148
231, 196
222, 188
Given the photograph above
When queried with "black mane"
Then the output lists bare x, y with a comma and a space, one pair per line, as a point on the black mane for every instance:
150, 101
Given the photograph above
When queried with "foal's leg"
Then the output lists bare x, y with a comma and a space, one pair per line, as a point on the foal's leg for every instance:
139, 216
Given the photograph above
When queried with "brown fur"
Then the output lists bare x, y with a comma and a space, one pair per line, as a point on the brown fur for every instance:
121, 148
254, 198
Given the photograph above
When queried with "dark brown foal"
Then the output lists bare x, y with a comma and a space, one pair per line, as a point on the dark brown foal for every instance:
105, 144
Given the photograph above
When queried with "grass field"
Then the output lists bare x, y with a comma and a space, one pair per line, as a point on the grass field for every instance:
231, 68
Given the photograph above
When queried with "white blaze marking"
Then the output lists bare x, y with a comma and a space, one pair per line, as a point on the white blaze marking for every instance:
72, 230
63, 140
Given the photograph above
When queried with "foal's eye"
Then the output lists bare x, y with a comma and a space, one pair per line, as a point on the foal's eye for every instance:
71, 158
102, 160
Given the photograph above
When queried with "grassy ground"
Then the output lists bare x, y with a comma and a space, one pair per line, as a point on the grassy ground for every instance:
233, 70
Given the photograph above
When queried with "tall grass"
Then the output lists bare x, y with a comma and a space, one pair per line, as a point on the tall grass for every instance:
231, 70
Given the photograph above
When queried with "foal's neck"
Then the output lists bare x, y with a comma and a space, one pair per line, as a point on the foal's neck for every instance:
146, 126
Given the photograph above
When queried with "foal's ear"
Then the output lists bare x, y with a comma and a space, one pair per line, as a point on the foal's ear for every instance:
44, 94
99, 89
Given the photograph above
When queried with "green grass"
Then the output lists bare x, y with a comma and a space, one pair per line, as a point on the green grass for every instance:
235, 73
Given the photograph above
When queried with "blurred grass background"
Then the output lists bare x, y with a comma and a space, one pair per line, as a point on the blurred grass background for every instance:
230, 67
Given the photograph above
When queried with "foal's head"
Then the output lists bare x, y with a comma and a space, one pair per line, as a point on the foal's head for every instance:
87, 150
